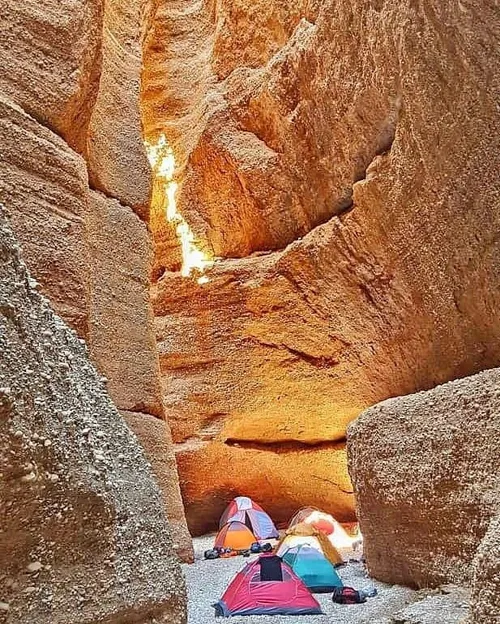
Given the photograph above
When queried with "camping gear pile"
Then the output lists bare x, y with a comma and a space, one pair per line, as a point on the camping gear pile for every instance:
282, 582
254, 549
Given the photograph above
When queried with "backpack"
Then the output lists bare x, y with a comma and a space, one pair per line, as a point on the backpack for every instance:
347, 595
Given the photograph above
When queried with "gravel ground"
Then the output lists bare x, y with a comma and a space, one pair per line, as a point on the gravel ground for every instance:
207, 581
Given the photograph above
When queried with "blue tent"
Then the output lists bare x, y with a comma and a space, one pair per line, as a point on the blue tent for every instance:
313, 568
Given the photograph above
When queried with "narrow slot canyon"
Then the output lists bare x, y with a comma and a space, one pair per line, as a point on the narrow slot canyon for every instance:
250, 252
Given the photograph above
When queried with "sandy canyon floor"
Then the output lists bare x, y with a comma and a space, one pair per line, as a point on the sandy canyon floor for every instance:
207, 580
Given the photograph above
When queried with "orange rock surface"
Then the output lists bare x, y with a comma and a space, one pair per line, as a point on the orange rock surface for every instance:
155, 438
116, 157
346, 160
50, 63
82, 518
44, 186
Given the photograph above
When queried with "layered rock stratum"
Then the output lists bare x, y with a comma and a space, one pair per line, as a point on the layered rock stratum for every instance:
341, 158
83, 533
425, 471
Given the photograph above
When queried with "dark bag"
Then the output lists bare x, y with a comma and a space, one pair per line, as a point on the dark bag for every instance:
347, 595
211, 554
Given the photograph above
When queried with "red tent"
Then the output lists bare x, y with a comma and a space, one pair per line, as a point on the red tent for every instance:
267, 586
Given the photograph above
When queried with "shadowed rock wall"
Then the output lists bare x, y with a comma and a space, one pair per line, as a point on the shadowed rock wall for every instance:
83, 533
69, 107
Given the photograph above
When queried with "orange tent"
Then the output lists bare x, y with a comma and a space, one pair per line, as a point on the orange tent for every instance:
235, 535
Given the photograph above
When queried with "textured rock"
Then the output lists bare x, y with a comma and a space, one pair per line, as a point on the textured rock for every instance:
122, 341
425, 471
485, 603
117, 160
372, 133
50, 61
68, 461
44, 184
214, 473
154, 436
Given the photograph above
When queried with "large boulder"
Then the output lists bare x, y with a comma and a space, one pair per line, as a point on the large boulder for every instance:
425, 473
84, 538
354, 144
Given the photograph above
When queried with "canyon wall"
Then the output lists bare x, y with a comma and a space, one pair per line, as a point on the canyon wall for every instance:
340, 158
69, 113
337, 159
77, 543
425, 470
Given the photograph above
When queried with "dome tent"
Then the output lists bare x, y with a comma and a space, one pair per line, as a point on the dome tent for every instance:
267, 586
306, 534
326, 524
244, 510
235, 535
313, 568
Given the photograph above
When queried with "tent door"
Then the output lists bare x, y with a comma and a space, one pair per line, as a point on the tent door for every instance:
248, 522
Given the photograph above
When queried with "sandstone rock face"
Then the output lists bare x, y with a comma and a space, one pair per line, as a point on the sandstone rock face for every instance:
425, 471
74, 66
122, 340
116, 155
68, 462
368, 131
50, 61
485, 603
280, 477
155, 438
44, 184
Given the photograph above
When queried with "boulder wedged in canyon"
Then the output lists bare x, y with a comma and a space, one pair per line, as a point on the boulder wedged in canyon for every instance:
485, 601
85, 538
50, 55
155, 438
425, 471
44, 184
355, 161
